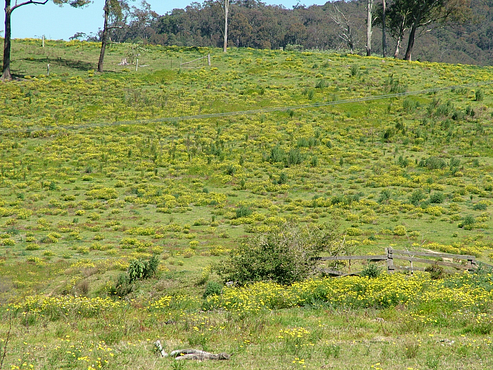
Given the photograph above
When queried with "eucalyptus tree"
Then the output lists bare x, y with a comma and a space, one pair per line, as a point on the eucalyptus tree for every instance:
226, 12
114, 17
396, 19
369, 23
425, 12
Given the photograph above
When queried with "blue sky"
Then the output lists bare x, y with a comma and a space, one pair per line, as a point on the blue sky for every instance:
54, 22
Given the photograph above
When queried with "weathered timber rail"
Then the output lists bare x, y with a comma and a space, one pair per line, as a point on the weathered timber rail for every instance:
441, 259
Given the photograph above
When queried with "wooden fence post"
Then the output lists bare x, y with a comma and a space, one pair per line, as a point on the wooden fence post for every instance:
390, 260
209, 59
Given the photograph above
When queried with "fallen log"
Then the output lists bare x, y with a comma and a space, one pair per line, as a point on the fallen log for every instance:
191, 354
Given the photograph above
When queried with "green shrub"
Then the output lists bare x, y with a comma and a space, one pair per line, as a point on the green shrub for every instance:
400, 230
321, 84
276, 155
314, 161
354, 70
385, 196
416, 196
403, 162
354, 231
123, 286
436, 271
479, 95
437, 197
283, 178
409, 105
467, 222
371, 270
243, 211
294, 157
480, 206
32, 247
212, 288
284, 255
433, 163
140, 269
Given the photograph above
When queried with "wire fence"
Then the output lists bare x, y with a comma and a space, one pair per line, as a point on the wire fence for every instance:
244, 112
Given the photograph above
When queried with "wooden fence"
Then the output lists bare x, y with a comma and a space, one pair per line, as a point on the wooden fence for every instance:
456, 262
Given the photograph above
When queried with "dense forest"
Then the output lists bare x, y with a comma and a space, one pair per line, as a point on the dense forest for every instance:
254, 24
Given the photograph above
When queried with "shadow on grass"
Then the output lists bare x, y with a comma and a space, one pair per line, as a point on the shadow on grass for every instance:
61, 62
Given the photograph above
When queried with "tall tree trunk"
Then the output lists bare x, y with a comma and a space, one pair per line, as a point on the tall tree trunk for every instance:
384, 41
397, 48
410, 43
6, 76
369, 23
226, 10
104, 36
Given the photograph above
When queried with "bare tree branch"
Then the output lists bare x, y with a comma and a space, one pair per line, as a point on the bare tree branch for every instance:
27, 3
345, 27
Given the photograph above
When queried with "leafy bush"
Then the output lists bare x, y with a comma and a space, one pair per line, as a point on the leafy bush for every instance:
283, 255
403, 162
437, 197
140, 269
283, 178
433, 163
371, 270
243, 211
212, 288
416, 196
123, 286
321, 84
409, 105
436, 271
354, 70
467, 222
480, 206
354, 231
479, 95
294, 47
294, 157
385, 196
276, 155
400, 230
137, 270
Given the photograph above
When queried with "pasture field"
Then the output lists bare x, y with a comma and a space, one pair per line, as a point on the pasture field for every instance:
180, 163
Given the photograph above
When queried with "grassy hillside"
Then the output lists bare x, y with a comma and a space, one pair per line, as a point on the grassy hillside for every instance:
98, 170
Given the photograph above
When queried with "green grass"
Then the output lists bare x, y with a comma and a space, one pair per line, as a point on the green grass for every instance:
94, 174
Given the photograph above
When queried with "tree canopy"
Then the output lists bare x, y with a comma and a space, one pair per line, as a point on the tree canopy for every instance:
415, 14
335, 25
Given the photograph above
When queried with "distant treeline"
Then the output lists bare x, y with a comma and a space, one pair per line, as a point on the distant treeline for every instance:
254, 24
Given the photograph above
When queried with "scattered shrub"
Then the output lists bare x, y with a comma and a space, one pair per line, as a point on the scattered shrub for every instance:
479, 95
400, 230
416, 196
437, 197
467, 222
385, 196
436, 271
354, 71
433, 163
243, 211
283, 255
212, 288
480, 206
123, 286
140, 269
371, 270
